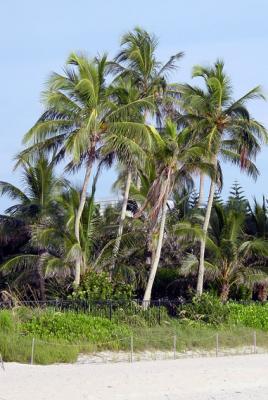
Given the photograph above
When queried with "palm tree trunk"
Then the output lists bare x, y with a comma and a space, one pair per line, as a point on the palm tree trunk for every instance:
78, 219
201, 270
149, 247
121, 222
225, 292
41, 279
262, 292
156, 258
201, 190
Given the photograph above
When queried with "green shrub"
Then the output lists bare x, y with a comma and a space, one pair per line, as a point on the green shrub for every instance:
97, 286
73, 327
253, 315
206, 308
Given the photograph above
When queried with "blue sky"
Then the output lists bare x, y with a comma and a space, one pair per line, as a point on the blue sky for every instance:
36, 38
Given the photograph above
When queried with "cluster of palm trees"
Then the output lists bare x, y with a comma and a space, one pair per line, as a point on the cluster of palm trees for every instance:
161, 136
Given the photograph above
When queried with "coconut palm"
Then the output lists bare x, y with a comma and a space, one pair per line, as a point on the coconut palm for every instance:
137, 60
144, 76
176, 158
231, 133
131, 154
81, 112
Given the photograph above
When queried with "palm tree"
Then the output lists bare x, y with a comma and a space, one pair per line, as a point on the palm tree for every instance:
131, 153
177, 157
137, 60
34, 203
230, 131
80, 114
231, 258
146, 76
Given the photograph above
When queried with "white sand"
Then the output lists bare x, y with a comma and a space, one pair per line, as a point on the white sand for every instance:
223, 378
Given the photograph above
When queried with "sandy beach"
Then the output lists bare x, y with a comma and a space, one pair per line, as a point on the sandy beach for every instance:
239, 378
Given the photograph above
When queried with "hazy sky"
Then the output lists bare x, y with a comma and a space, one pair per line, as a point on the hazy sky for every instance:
37, 36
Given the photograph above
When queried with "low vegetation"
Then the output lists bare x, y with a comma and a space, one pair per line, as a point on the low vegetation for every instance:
61, 336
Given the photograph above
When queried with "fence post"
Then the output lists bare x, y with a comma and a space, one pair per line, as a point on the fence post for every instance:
217, 344
131, 348
174, 346
159, 312
32, 353
110, 311
2, 362
254, 342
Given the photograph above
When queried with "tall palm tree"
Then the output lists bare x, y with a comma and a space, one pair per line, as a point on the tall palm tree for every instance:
132, 154
146, 76
137, 59
176, 158
80, 114
231, 133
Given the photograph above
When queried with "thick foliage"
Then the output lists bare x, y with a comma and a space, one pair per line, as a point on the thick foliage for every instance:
73, 327
98, 287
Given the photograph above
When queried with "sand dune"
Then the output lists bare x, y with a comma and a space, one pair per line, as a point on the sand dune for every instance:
226, 378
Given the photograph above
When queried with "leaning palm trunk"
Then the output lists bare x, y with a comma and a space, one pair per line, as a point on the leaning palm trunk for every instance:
121, 223
201, 190
156, 258
78, 219
201, 270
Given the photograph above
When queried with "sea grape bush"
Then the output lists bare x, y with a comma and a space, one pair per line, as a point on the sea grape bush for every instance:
253, 315
73, 327
98, 287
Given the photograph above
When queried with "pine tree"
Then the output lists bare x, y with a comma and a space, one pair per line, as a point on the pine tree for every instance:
193, 199
218, 199
237, 200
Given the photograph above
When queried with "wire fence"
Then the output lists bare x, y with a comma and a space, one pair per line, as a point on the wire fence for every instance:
154, 311
137, 348
144, 343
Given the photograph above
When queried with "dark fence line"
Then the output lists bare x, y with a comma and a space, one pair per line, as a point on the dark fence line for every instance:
153, 310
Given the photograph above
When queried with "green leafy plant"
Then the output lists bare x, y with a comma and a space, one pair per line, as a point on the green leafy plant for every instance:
206, 308
98, 287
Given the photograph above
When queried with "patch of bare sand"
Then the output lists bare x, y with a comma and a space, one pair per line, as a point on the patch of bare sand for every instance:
226, 378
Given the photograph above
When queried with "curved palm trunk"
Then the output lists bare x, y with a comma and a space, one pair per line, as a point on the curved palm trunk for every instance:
156, 258
201, 270
201, 190
121, 222
78, 219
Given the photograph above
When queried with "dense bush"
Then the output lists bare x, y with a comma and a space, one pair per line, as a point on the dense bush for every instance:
73, 327
206, 308
253, 315
97, 286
